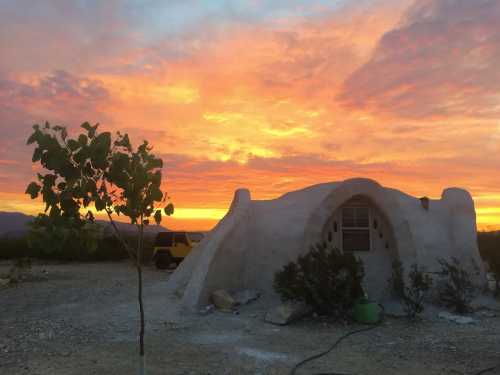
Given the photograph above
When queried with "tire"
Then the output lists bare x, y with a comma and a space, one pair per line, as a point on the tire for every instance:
163, 261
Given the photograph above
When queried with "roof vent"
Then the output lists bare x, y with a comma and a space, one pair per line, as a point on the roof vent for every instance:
424, 201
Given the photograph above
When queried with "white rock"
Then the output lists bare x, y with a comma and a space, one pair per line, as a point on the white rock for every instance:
287, 313
206, 309
246, 296
458, 319
223, 300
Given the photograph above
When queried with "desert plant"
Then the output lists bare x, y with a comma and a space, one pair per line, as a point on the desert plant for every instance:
412, 295
326, 279
20, 270
489, 248
110, 175
62, 237
457, 289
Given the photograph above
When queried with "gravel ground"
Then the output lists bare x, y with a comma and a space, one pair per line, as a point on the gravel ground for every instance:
82, 319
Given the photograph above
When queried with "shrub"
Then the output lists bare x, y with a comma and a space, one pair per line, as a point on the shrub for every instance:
326, 279
412, 296
109, 248
489, 248
20, 270
15, 247
457, 290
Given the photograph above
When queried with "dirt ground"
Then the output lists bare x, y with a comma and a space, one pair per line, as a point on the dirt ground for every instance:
82, 319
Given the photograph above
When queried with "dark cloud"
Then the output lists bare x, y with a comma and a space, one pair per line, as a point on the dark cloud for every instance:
442, 60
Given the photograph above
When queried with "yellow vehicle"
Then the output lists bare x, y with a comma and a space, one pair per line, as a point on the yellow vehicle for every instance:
173, 247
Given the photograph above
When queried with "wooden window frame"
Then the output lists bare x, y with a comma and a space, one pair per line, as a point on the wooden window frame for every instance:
357, 228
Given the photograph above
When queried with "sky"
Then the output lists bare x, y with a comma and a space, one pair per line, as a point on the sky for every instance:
272, 96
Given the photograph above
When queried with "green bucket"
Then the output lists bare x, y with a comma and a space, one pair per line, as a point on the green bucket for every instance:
366, 311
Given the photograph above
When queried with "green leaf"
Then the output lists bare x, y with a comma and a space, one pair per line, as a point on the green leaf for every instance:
37, 155
83, 139
86, 126
124, 141
158, 217
169, 209
49, 180
154, 163
33, 189
90, 216
99, 204
91, 130
73, 145
156, 194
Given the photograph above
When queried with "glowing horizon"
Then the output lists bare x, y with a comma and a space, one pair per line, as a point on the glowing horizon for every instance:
265, 95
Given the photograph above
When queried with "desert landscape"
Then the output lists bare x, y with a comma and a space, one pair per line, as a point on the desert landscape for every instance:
82, 319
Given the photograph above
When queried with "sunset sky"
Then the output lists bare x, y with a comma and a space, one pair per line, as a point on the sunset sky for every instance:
273, 96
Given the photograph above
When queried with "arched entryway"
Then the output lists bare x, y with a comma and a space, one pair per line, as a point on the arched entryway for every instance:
359, 227
359, 216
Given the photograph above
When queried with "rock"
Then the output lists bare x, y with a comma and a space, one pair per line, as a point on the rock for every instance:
458, 319
486, 314
223, 300
206, 309
394, 308
287, 313
4, 282
245, 296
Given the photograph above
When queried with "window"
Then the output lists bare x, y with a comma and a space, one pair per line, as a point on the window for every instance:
356, 228
180, 238
164, 239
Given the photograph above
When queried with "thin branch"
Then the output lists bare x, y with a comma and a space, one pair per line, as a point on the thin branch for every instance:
119, 236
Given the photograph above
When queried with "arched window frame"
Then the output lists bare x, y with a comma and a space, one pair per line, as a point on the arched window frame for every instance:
357, 225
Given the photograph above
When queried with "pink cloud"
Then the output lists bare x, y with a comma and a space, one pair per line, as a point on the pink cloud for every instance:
441, 61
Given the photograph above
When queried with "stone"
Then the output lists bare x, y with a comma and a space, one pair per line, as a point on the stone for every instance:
207, 309
245, 296
223, 300
486, 314
458, 319
287, 313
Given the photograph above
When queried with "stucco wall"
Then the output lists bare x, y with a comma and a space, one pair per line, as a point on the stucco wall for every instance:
256, 238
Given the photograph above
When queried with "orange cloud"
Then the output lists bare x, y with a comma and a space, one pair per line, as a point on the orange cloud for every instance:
281, 104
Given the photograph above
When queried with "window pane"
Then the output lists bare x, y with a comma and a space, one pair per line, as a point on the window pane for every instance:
164, 239
181, 239
348, 217
356, 239
355, 217
362, 217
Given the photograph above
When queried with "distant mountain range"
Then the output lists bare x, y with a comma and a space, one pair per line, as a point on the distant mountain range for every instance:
15, 224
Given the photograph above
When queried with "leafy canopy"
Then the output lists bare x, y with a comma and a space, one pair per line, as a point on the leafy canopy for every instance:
95, 169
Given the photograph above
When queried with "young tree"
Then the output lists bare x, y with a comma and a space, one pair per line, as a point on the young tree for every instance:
93, 170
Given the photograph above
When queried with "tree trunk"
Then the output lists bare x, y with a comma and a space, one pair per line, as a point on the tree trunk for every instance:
139, 296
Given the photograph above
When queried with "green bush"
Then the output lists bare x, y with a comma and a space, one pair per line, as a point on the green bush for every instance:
12, 248
412, 296
326, 279
108, 249
457, 289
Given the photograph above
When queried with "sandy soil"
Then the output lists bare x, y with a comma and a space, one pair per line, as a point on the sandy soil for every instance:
82, 319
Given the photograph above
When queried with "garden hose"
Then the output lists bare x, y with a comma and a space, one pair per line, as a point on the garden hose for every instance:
484, 371
339, 340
